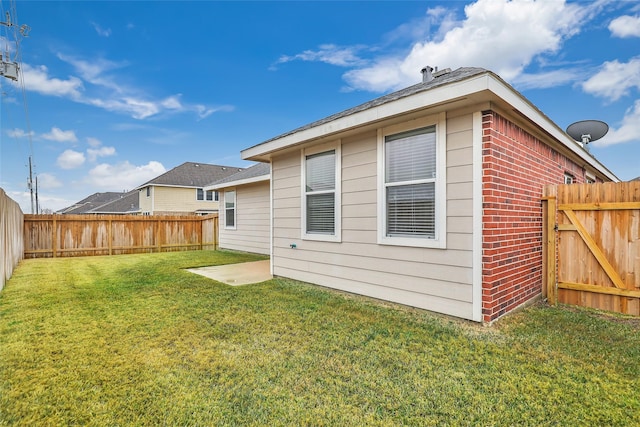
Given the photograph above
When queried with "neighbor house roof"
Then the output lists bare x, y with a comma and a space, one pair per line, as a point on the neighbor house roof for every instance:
90, 202
191, 174
448, 90
256, 173
127, 203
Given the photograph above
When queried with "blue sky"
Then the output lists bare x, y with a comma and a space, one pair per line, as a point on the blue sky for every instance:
114, 93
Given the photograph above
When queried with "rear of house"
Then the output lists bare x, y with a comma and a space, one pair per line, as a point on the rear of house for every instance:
429, 196
244, 217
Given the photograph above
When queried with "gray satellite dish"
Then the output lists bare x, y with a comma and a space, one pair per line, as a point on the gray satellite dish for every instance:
586, 131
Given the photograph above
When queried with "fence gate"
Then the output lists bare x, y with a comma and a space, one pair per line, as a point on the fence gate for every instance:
593, 246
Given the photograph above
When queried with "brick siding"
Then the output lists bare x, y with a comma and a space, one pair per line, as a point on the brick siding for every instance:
515, 166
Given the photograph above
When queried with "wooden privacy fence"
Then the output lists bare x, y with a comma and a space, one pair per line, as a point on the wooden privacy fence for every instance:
593, 246
86, 235
11, 243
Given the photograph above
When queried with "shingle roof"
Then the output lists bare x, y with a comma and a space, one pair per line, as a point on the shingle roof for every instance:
126, 203
257, 170
90, 202
191, 174
443, 79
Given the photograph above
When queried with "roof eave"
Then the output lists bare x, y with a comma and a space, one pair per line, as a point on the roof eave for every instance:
252, 180
488, 83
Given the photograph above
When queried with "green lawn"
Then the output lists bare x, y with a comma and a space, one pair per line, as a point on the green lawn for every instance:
134, 340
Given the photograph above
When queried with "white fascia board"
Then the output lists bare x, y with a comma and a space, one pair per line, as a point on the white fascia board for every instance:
413, 102
165, 185
422, 100
519, 103
237, 183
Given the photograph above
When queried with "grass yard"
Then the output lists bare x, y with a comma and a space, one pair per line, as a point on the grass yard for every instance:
134, 340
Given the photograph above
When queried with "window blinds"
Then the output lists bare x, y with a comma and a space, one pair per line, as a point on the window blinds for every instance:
410, 172
320, 192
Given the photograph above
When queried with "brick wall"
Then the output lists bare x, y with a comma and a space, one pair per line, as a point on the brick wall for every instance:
515, 166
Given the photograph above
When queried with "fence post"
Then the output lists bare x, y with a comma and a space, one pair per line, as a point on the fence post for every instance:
54, 236
552, 290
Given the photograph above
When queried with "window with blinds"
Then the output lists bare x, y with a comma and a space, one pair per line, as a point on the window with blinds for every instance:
230, 209
410, 182
320, 192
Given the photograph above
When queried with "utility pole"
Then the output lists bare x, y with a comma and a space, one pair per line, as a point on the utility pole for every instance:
10, 69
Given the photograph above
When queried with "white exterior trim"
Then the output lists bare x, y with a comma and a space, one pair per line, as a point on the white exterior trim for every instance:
239, 182
337, 236
471, 88
235, 208
477, 217
440, 240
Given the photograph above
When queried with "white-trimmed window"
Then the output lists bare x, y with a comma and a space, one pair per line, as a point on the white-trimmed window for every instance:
568, 178
321, 193
589, 178
209, 195
230, 209
412, 184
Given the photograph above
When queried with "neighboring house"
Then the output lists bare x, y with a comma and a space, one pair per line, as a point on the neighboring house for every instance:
429, 196
180, 191
91, 202
126, 204
245, 221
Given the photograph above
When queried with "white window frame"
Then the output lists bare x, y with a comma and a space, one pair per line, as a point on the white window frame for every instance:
198, 190
440, 239
337, 234
589, 178
569, 178
235, 209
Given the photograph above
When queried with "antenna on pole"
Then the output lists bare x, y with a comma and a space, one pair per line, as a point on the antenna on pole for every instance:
586, 131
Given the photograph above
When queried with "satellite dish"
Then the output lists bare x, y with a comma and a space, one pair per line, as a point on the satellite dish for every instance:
586, 131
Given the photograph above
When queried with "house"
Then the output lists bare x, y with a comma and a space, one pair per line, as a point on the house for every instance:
429, 196
180, 191
245, 220
91, 202
126, 204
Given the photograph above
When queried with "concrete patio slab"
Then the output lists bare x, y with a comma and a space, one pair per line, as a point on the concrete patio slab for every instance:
237, 274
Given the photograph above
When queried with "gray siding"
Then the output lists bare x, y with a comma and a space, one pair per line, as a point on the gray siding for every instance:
433, 279
252, 220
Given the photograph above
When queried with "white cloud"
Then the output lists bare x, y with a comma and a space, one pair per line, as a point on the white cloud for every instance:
328, 53
628, 131
94, 142
47, 181
615, 79
104, 32
94, 153
625, 26
548, 79
94, 76
37, 79
70, 159
18, 133
122, 175
501, 35
60, 135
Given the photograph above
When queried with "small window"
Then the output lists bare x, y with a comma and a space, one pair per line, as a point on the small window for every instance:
230, 209
589, 178
148, 191
321, 193
210, 195
199, 194
568, 178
